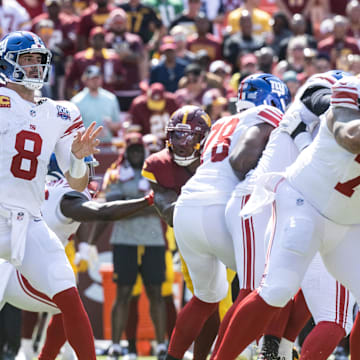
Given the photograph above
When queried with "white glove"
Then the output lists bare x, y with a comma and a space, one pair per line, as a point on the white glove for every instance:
290, 122
88, 253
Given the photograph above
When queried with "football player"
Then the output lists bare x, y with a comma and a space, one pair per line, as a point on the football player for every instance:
311, 101
329, 303
63, 210
31, 130
207, 247
316, 210
168, 170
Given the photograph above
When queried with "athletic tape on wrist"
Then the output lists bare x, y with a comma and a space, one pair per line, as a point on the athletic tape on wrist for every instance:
77, 167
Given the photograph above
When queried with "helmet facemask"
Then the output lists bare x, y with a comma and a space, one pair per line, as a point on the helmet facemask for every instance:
19, 75
185, 144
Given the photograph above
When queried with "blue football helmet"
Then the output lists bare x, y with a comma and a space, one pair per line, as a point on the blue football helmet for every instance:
337, 74
260, 89
17, 43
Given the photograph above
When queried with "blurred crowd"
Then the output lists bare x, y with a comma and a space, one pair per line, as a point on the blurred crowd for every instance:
138, 60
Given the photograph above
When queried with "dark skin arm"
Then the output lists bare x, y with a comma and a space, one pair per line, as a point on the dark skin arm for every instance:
164, 201
249, 148
82, 210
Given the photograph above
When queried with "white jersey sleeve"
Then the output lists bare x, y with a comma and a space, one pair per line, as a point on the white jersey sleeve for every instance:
215, 179
29, 134
62, 226
327, 175
67, 110
345, 93
13, 17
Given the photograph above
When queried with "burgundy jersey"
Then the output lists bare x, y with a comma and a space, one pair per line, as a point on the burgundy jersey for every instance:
295, 6
338, 7
64, 33
160, 168
153, 122
210, 43
109, 62
35, 8
133, 42
91, 17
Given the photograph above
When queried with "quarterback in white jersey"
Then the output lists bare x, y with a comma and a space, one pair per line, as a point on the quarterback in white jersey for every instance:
303, 223
199, 221
30, 131
63, 210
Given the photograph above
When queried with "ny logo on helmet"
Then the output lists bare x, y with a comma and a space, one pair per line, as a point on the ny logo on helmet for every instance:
278, 88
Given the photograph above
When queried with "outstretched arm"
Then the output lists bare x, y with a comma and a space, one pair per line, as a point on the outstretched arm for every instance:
82, 210
249, 148
164, 201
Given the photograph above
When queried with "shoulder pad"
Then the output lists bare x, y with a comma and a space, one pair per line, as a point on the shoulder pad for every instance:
269, 114
345, 93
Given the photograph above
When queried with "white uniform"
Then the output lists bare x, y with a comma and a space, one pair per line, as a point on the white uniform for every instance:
325, 297
19, 292
62, 226
29, 134
199, 221
310, 214
248, 234
13, 17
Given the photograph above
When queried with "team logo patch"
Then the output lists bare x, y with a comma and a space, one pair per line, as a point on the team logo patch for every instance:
5, 102
63, 112
299, 202
32, 113
20, 216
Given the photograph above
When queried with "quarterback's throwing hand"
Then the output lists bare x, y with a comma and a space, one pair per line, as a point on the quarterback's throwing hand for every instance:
85, 143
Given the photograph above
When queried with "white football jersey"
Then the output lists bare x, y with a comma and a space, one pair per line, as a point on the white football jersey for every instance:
29, 134
215, 179
327, 175
61, 225
13, 17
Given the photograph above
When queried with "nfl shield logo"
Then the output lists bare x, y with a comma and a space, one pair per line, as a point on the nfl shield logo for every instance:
20, 216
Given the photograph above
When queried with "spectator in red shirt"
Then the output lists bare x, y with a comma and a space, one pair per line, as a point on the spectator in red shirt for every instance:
338, 45
151, 112
33, 7
203, 39
97, 54
96, 15
353, 14
64, 32
130, 49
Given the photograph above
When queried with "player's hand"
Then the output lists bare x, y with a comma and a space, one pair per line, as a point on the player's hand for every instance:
85, 143
290, 122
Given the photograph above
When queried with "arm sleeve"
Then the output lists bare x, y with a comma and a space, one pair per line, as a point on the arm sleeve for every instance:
317, 99
63, 146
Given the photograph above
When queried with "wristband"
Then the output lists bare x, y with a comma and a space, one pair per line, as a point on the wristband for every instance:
150, 198
77, 167
303, 140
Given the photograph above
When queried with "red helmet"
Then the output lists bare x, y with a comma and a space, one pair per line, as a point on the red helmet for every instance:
186, 132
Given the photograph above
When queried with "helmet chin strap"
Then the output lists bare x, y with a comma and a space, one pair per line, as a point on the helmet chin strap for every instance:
33, 86
185, 161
